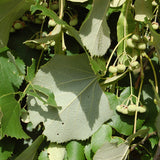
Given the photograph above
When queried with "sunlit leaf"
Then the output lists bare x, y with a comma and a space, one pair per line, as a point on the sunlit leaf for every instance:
9, 12
75, 150
116, 3
143, 8
76, 90
78, 1
94, 31
56, 152
111, 151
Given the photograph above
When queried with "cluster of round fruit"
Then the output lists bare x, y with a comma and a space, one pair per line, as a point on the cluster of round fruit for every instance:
17, 25
120, 68
136, 42
131, 109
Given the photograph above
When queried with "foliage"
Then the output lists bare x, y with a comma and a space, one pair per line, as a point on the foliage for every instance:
79, 79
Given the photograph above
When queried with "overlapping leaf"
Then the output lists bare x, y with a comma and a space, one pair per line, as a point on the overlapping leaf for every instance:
116, 3
84, 105
9, 12
10, 81
143, 8
94, 31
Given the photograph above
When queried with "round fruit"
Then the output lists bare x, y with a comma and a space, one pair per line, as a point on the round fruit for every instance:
155, 25
141, 46
124, 110
54, 6
119, 108
45, 4
141, 109
73, 21
130, 43
12, 30
18, 25
154, 3
134, 64
41, 17
121, 68
113, 69
25, 18
51, 23
132, 108
135, 37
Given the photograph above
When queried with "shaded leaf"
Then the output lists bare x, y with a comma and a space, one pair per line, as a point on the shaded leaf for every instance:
30, 152
9, 12
143, 8
75, 150
100, 137
3, 49
110, 151
76, 90
94, 32
6, 148
56, 152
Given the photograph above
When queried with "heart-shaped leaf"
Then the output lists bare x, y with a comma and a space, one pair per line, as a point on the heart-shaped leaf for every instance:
95, 32
84, 105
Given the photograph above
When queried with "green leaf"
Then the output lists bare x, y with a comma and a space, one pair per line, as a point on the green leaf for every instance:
125, 25
94, 31
140, 133
116, 3
43, 155
111, 151
31, 71
75, 151
6, 148
100, 137
88, 152
56, 151
76, 90
143, 8
30, 152
9, 12
10, 123
3, 49
10, 81
98, 65
156, 40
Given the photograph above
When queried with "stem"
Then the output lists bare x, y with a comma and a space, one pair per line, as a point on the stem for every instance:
130, 79
139, 94
116, 48
154, 72
39, 60
61, 4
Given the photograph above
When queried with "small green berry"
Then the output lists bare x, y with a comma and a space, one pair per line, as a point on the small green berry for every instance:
12, 30
141, 109
119, 108
25, 18
51, 23
154, 3
73, 21
155, 25
121, 68
54, 6
113, 69
41, 17
124, 111
141, 46
134, 64
18, 26
130, 43
37, 21
132, 108
135, 37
